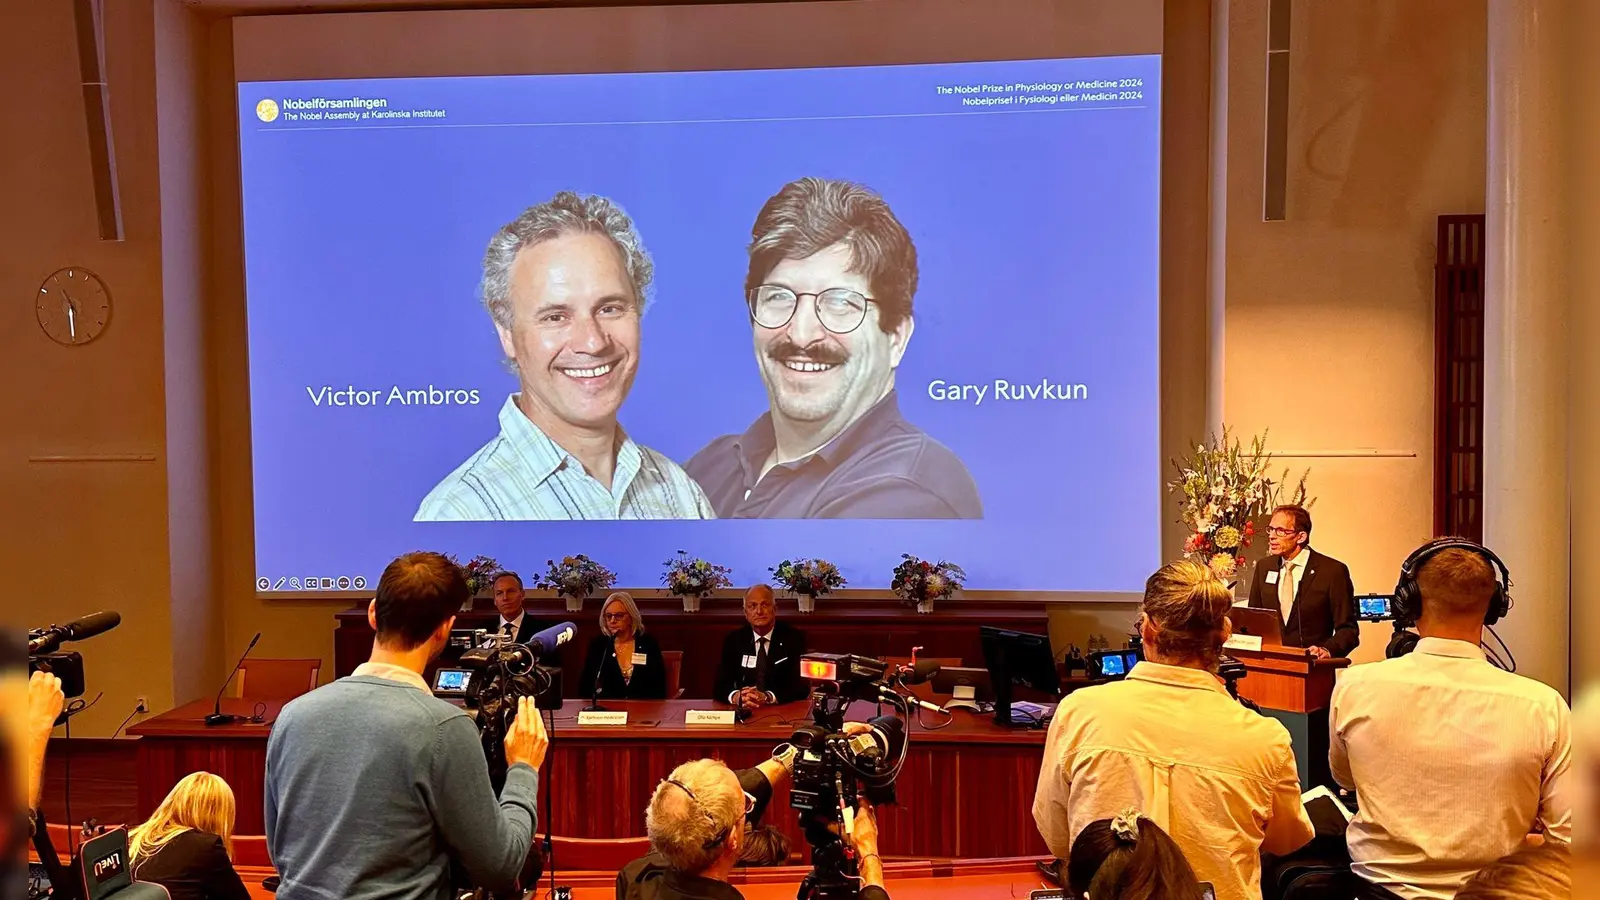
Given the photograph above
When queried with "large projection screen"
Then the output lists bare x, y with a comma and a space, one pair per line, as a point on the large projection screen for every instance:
843, 280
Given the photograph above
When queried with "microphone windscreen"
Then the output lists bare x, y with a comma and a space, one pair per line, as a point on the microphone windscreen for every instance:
551, 638
921, 672
91, 625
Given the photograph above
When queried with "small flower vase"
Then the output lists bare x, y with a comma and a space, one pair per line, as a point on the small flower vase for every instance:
574, 604
808, 602
925, 606
691, 603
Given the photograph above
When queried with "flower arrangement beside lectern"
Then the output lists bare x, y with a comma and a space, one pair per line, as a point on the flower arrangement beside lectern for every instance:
1223, 488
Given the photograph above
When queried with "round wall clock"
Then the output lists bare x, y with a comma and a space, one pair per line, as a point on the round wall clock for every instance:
73, 305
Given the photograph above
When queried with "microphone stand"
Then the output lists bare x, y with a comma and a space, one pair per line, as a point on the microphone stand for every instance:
594, 696
217, 717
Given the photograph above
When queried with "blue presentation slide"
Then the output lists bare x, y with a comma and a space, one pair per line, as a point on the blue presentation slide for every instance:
844, 313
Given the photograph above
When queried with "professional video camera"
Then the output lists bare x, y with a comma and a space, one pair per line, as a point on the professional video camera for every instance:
44, 655
493, 675
43, 644
831, 768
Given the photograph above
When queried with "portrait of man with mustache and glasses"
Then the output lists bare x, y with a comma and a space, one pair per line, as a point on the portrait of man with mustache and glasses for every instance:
566, 283
829, 294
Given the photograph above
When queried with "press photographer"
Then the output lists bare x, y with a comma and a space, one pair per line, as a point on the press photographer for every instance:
376, 788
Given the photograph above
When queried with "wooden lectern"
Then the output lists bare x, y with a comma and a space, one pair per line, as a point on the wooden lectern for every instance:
1286, 679
1295, 689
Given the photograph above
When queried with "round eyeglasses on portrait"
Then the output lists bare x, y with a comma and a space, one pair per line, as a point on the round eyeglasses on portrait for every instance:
840, 310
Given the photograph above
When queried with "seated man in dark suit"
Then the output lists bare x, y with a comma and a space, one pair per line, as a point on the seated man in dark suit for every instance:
508, 599
1312, 592
760, 662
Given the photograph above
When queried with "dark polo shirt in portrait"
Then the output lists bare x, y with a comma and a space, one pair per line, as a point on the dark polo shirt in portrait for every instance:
880, 467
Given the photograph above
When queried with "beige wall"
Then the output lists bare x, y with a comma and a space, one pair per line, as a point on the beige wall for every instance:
1329, 338
76, 537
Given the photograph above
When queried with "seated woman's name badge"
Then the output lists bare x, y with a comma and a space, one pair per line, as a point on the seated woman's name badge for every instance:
639, 659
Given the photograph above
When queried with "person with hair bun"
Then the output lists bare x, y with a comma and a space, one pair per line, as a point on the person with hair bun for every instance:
1171, 743
1129, 858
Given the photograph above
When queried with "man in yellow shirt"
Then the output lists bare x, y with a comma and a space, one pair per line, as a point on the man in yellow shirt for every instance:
1170, 742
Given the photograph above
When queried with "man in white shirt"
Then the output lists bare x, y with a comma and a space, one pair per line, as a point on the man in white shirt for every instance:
1454, 762
1169, 742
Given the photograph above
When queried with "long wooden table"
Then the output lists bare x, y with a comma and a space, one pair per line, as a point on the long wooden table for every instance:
966, 789
867, 627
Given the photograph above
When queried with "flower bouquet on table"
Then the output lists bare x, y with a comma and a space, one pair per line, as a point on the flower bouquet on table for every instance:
694, 579
480, 573
807, 579
919, 582
1223, 488
575, 578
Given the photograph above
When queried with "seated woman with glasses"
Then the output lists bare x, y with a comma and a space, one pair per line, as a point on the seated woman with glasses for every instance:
623, 663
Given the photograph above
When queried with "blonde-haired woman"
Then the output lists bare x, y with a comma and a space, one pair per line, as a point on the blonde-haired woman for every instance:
187, 844
623, 663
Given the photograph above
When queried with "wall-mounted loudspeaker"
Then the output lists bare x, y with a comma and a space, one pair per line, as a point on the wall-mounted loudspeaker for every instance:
1275, 156
97, 116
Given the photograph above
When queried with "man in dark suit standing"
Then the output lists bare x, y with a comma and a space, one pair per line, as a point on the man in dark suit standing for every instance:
760, 662
1311, 592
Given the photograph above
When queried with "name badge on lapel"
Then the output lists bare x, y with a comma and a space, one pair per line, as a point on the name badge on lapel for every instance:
1272, 578
639, 659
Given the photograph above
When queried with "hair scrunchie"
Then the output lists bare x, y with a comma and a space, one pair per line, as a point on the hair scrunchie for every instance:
1126, 827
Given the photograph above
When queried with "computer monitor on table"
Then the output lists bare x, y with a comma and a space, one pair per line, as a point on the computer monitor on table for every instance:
1013, 658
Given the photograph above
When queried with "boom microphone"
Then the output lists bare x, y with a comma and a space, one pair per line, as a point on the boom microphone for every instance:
546, 641
89, 626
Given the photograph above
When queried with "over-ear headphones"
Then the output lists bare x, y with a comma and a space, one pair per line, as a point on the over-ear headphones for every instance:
1407, 606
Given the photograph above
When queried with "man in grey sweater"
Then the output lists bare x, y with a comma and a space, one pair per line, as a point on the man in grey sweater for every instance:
375, 787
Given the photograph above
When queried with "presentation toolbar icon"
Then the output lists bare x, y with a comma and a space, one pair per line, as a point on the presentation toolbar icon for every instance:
263, 583
294, 584
343, 583
361, 582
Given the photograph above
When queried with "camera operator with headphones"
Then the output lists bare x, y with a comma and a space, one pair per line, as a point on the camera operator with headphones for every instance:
1454, 761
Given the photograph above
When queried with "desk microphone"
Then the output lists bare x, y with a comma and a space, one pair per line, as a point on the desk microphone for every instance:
217, 717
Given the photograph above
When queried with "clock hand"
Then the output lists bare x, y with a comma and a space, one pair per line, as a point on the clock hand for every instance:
72, 322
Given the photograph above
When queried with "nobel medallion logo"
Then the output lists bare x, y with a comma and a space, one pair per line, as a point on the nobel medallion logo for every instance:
267, 110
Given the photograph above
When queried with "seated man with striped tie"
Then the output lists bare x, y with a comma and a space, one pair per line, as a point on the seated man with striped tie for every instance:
514, 622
